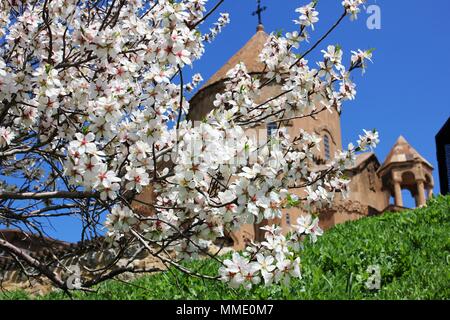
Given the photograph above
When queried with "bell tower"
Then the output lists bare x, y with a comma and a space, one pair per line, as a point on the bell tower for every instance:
405, 168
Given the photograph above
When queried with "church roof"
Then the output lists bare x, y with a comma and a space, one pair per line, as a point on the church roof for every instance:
31, 243
363, 158
248, 54
403, 152
360, 160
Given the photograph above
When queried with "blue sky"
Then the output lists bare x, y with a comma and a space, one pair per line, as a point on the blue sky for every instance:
404, 92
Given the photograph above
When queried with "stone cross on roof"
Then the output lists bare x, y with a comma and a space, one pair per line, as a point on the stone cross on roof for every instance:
258, 12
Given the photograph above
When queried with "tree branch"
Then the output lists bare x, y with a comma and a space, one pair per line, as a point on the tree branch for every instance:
32, 262
4, 195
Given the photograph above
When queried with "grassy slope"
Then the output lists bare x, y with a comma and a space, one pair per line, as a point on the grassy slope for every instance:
412, 249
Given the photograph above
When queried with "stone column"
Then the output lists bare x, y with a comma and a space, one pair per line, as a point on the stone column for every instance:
430, 192
398, 194
420, 193
416, 199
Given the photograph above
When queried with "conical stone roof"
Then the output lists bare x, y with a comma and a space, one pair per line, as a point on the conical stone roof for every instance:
403, 152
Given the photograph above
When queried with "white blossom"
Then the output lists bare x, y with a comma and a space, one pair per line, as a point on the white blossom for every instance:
6, 135
137, 179
308, 15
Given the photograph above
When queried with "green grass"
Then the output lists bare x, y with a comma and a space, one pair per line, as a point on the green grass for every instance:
411, 248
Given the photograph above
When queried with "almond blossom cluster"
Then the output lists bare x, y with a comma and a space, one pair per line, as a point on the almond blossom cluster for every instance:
93, 116
273, 260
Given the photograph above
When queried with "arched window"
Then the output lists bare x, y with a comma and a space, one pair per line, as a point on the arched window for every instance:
326, 144
272, 128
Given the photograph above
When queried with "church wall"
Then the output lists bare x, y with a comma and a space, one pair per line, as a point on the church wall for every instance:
202, 103
366, 187
243, 236
324, 123
144, 201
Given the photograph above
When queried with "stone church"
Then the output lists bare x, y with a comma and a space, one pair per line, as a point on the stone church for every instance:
372, 183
